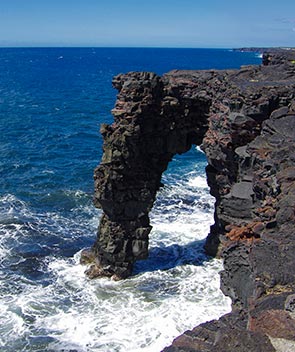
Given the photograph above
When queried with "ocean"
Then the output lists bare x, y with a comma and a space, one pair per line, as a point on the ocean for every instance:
52, 102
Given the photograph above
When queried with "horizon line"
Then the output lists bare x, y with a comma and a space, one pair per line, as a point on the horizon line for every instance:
134, 47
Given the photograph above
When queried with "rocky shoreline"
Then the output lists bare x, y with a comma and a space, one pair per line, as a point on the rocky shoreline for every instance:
250, 147
244, 120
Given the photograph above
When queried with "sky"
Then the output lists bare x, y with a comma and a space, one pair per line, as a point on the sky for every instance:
149, 23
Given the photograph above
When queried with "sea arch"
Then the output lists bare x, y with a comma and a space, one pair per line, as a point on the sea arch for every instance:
154, 119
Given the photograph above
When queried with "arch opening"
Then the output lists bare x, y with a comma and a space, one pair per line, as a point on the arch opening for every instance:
181, 215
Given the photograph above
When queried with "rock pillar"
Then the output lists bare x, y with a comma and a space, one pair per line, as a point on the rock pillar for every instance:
151, 124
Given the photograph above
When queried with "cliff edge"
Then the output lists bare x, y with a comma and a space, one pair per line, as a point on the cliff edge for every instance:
244, 120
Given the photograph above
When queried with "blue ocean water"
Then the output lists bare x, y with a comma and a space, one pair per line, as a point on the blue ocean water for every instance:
52, 102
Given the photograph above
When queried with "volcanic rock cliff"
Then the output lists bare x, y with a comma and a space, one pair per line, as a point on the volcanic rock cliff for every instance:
244, 120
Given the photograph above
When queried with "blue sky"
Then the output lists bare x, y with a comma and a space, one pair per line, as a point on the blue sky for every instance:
155, 23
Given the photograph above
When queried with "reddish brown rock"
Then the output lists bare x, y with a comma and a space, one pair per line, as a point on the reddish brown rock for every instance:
274, 323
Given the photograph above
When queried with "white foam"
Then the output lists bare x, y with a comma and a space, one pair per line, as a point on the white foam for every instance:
144, 313
149, 310
198, 182
11, 324
199, 149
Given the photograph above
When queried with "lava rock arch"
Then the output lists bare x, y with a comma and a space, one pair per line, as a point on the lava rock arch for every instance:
245, 122
153, 121
155, 118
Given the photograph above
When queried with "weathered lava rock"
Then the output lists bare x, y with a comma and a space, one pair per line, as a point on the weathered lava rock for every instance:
151, 124
253, 181
244, 121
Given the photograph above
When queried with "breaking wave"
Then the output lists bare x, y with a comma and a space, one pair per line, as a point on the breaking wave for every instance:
49, 305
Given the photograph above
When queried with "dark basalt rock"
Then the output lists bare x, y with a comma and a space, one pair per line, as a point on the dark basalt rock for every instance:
244, 121
151, 125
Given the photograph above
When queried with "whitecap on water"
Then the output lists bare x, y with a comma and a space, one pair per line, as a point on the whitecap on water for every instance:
175, 289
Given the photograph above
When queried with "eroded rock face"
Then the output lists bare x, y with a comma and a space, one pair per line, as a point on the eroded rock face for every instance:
253, 180
152, 122
244, 121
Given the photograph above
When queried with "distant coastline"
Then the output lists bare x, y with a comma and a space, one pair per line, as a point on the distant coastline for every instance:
264, 50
